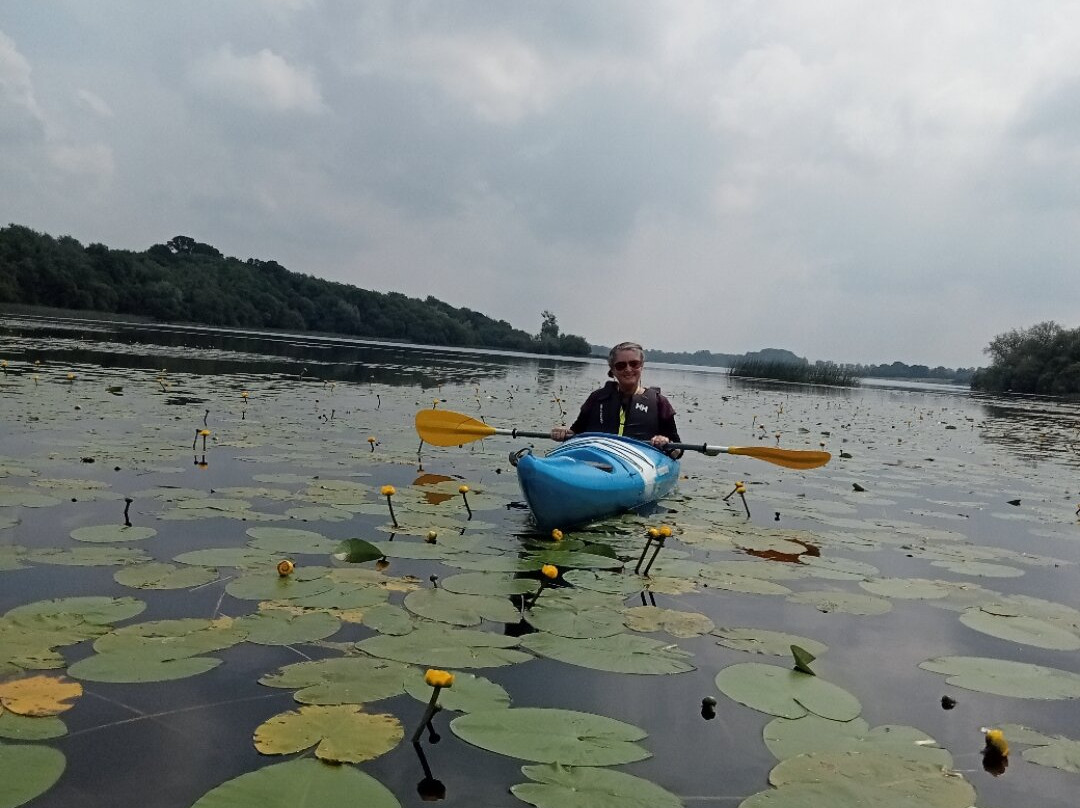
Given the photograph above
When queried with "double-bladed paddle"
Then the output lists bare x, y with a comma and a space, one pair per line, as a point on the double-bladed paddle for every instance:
446, 428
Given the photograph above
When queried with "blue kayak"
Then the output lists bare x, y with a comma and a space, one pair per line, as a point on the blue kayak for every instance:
593, 476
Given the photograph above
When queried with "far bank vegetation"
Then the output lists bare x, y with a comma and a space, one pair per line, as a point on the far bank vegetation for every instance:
1043, 360
186, 281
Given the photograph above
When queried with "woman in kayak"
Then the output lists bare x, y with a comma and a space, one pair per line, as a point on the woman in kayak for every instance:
624, 407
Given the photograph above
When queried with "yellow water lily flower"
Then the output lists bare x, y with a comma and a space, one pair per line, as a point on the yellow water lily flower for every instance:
464, 489
995, 739
550, 571
437, 678
557, 534
665, 531
654, 533
285, 567
388, 490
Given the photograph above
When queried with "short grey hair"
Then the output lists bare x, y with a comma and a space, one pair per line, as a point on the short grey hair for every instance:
624, 346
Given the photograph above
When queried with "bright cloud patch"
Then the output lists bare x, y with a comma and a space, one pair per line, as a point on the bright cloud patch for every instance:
263, 81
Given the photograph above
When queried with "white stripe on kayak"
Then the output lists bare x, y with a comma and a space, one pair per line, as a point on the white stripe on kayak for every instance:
633, 456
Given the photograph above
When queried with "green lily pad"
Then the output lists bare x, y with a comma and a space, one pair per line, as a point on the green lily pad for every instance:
557, 786
343, 680
97, 610
157, 575
573, 618
303, 783
10, 558
613, 583
344, 596
838, 568
980, 569
1005, 678
460, 610
172, 639
280, 627
570, 560
388, 618
246, 557
907, 588
481, 583
785, 692
269, 585
105, 556
414, 550
339, 733
112, 533
157, 651
31, 728
764, 641
552, 736
1021, 629
1061, 754
290, 540
674, 622
788, 738
131, 668
621, 653
1055, 751
439, 647
842, 602
28, 772
745, 584
850, 779
470, 693
19, 497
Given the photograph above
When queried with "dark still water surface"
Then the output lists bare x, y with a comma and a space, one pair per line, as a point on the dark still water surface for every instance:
970, 501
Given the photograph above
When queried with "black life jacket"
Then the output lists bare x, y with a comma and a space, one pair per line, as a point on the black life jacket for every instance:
642, 412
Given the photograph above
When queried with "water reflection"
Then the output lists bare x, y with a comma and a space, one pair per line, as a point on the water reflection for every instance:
219, 352
429, 788
1033, 428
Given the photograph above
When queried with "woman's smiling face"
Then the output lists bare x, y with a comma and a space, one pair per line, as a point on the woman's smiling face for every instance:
626, 366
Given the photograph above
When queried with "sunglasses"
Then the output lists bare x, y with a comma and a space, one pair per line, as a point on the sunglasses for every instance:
634, 364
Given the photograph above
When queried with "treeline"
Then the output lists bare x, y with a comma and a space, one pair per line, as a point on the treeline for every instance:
781, 356
801, 372
898, 370
1043, 359
716, 360
184, 280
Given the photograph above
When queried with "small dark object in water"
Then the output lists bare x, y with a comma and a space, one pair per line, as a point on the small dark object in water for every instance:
1014, 502
708, 708
87, 460
777, 517
947, 703
857, 487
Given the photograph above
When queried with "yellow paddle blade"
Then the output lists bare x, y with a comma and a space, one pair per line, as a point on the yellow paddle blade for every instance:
789, 458
445, 428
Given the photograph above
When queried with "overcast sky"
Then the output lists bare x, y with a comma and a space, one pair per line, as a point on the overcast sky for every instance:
854, 181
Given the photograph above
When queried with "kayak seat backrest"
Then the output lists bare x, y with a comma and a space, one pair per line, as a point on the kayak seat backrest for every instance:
596, 458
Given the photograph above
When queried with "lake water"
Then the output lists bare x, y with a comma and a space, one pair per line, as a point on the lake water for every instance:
927, 483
